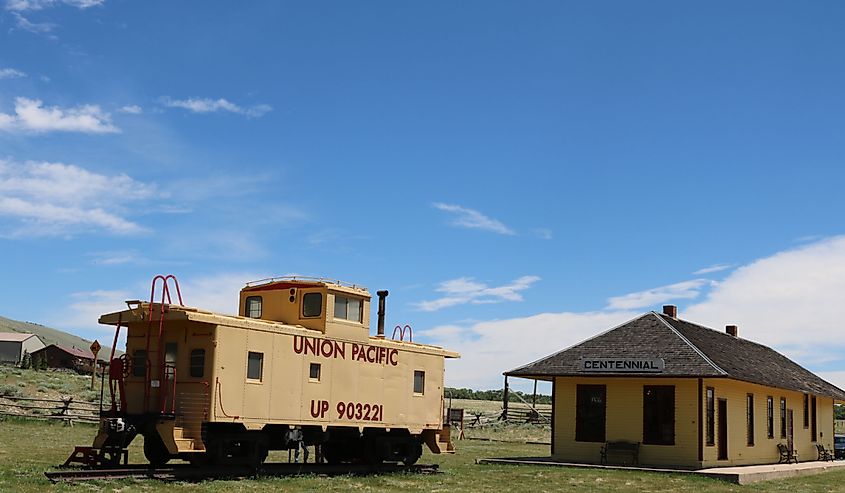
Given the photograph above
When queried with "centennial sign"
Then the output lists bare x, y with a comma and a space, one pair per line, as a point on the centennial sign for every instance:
622, 365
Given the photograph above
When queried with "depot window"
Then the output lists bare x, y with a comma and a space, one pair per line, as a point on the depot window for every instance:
783, 417
770, 417
314, 372
419, 382
197, 363
813, 417
749, 414
806, 411
312, 305
253, 307
659, 414
255, 366
347, 308
590, 413
139, 363
711, 416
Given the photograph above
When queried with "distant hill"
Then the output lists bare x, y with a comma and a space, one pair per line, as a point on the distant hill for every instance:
49, 335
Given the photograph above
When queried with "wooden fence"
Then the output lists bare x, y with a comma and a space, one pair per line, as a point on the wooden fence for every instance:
67, 409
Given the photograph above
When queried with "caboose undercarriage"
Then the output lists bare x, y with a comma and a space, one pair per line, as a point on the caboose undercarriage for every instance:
233, 444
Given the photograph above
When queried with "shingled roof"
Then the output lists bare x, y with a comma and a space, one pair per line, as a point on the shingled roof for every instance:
688, 350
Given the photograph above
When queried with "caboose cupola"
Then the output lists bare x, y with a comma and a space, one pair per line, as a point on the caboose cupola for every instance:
331, 307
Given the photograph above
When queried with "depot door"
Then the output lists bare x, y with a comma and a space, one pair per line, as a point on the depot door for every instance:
723, 429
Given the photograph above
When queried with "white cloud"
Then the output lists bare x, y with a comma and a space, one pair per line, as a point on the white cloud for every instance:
490, 348
712, 269
472, 219
32, 5
31, 116
132, 109
790, 301
650, 297
466, 290
55, 199
207, 105
10, 73
218, 293
33, 27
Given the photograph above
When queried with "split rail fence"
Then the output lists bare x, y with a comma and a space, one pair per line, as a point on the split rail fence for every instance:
68, 410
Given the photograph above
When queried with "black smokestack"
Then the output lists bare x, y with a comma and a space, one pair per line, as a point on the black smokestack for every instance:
381, 297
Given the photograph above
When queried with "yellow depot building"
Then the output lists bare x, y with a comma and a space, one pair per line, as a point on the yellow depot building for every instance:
662, 391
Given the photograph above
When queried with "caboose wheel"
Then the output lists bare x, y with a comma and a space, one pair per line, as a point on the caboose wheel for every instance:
414, 453
155, 451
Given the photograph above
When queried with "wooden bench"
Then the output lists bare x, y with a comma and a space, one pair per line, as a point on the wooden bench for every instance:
787, 455
824, 453
629, 449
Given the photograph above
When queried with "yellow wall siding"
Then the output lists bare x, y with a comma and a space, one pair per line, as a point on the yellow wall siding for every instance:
764, 450
624, 420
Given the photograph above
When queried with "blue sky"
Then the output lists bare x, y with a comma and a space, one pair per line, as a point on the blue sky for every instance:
519, 175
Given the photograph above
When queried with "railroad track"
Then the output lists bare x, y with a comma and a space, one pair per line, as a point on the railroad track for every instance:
187, 472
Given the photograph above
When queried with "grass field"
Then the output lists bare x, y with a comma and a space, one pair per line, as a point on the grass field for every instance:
29, 448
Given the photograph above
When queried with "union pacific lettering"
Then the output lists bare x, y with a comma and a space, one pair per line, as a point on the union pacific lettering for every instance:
338, 349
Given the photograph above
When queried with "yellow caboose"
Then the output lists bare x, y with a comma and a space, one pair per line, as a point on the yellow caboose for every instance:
297, 363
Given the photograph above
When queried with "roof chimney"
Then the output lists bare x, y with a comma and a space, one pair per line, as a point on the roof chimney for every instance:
670, 310
731, 329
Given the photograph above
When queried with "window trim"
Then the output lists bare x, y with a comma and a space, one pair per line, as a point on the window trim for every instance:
770, 417
346, 300
749, 419
806, 411
422, 374
783, 417
582, 432
311, 377
710, 411
260, 367
306, 295
192, 366
260, 306
142, 366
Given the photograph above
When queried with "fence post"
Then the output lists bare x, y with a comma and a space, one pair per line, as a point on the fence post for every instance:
505, 401
65, 409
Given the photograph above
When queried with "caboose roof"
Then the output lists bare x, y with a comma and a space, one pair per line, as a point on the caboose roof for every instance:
689, 350
274, 283
137, 314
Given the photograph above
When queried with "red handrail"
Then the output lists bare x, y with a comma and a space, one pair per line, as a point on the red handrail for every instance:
402, 333
165, 294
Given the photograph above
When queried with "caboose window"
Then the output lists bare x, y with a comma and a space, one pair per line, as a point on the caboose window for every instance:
139, 363
255, 366
253, 307
347, 308
419, 382
314, 373
197, 363
312, 304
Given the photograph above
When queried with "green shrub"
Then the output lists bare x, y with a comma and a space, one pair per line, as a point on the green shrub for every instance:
10, 391
42, 389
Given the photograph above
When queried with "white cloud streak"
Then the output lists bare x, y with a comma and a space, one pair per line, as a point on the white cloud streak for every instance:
10, 73
465, 290
55, 199
33, 5
32, 117
650, 297
472, 219
712, 269
132, 109
207, 105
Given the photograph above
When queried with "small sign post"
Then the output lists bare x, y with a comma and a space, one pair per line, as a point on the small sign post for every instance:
95, 348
